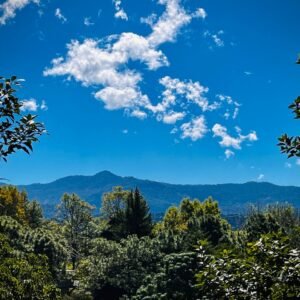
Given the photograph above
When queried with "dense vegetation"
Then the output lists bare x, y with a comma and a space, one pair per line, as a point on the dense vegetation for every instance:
192, 253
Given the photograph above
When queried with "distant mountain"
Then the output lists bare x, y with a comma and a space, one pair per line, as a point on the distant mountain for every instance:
233, 198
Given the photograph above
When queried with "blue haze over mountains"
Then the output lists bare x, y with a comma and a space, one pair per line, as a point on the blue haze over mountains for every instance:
233, 198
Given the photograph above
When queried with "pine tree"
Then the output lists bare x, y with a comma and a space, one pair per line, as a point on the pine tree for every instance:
137, 215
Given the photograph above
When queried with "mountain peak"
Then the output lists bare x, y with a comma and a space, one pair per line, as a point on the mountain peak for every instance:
105, 173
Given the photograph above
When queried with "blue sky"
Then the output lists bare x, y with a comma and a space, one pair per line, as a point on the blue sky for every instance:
177, 91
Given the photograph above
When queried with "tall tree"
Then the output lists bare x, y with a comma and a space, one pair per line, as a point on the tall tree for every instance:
137, 216
75, 214
113, 209
17, 131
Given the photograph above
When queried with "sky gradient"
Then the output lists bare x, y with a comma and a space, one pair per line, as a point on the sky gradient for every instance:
169, 90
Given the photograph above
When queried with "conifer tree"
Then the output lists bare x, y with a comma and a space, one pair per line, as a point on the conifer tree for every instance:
137, 216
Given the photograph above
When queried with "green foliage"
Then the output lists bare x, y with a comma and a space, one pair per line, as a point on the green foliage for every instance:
258, 223
194, 221
34, 214
174, 280
269, 270
75, 215
24, 276
117, 269
18, 131
137, 215
126, 213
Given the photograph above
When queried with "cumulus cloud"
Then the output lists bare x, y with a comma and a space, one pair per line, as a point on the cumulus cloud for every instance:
10, 7
230, 141
120, 13
60, 16
93, 63
32, 105
105, 65
195, 129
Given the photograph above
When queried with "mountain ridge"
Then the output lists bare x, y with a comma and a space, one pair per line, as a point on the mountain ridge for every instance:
232, 197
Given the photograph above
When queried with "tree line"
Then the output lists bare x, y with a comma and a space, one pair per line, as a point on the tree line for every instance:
192, 253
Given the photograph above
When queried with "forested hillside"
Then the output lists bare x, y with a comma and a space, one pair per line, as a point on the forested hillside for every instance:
192, 253
232, 198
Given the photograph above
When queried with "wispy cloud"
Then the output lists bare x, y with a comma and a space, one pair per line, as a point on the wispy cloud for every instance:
87, 22
260, 177
248, 73
60, 16
215, 37
10, 7
120, 13
229, 153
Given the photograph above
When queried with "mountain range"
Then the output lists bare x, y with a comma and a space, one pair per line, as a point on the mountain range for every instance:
233, 198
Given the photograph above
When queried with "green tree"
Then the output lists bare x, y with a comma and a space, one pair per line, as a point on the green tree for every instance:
268, 269
24, 276
75, 215
194, 221
115, 269
137, 215
34, 213
113, 211
174, 280
17, 131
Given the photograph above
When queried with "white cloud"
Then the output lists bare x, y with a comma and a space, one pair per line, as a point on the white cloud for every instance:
200, 13
44, 105
32, 105
192, 91
87, 22
9, 8
195, 129
120, 13
149, 20
260, 177
138, 114
93, 63
60, 16
105, 65
229, 153
215, 37
173, 117
233, 113
169, 24
229, 141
